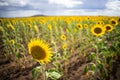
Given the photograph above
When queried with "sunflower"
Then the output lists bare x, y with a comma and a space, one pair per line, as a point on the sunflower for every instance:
97, 30
63, 37
1, 29
12, 42
64, 46
85, 25
50, 27
100, 23
113, 22
67, 31
36, 29
108, 27
11, 26
79, 26
39, 50
29, 25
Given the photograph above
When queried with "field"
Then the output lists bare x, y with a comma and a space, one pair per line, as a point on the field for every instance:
60, 48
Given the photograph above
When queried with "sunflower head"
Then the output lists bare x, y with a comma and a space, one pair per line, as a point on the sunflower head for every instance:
50, 27
63, 37
119, 19
10, 26
12, 42
113, 22
39, 50
79, 26
64, 46
108, 27
29, 25
36, 29
85, 25
1, 29
97, 30
67, 30
100, 23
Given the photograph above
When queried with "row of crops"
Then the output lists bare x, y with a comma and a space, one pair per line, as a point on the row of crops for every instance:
52, 40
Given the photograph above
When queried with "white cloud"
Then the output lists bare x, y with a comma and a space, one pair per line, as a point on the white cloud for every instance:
73, 12
66, 3
56, 7
113, 5
3, 4
19, 13
15, 2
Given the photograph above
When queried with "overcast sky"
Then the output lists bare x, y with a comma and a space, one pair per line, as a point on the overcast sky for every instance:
22, 8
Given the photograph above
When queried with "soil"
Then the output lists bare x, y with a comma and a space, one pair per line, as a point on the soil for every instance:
74, 70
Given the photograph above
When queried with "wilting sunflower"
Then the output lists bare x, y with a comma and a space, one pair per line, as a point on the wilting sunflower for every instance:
63, 37
79, 26
39, 50
108, 27
97, 30
113, 22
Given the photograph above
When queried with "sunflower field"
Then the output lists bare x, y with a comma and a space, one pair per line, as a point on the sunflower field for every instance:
59, 47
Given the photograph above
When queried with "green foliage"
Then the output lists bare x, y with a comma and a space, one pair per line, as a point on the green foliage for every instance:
53, 74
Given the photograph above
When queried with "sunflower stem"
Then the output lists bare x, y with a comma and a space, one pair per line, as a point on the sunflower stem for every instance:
43, 72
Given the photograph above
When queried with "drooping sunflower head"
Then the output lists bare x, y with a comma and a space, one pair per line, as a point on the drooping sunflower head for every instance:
113, 22
108, 27
97, 30
39, 50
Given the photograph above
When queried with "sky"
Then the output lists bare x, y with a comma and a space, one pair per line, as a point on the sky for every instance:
24, 8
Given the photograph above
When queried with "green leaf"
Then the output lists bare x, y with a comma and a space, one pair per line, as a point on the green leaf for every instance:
91, 56
53, 74
86, 69
18, 55
34, 73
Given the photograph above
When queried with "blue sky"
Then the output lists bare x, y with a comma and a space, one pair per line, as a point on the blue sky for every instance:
23, 8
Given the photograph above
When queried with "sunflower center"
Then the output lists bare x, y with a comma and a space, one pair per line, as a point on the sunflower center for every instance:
119, 20
38, 53
113, 22
97, 30
108, 28
79, 26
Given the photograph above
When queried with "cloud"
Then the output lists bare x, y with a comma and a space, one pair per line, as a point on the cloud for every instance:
13, 2
66, 3
4, 4
14, 8
19, 13
113, 5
